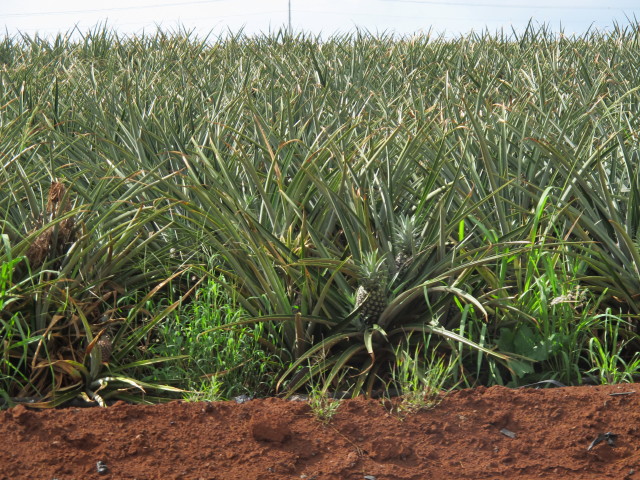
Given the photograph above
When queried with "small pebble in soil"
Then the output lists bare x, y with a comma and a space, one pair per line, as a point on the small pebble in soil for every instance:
242, 398
609, 437
101, 467
369, 477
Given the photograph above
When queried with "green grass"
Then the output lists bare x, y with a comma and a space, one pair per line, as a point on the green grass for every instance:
216, 365
420, 377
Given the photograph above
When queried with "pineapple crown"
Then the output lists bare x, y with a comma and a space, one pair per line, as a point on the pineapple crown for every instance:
405, 233
372, 271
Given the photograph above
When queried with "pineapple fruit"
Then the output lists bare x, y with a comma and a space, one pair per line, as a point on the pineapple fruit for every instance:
371, 296
106, 346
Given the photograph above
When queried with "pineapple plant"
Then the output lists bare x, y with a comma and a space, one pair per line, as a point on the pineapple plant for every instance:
371, 296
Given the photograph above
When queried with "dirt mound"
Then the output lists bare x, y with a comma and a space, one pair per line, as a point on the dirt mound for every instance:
480, 433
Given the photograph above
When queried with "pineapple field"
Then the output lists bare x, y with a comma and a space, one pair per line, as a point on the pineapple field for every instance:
199, 218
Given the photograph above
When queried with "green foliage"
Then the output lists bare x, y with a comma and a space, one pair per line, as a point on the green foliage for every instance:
15, 340
323, 404
606, 351
214, 365
420, 377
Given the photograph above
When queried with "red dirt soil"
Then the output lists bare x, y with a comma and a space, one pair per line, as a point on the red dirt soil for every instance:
467, 436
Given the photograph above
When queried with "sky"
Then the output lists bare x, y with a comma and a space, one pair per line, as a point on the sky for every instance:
402, 17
